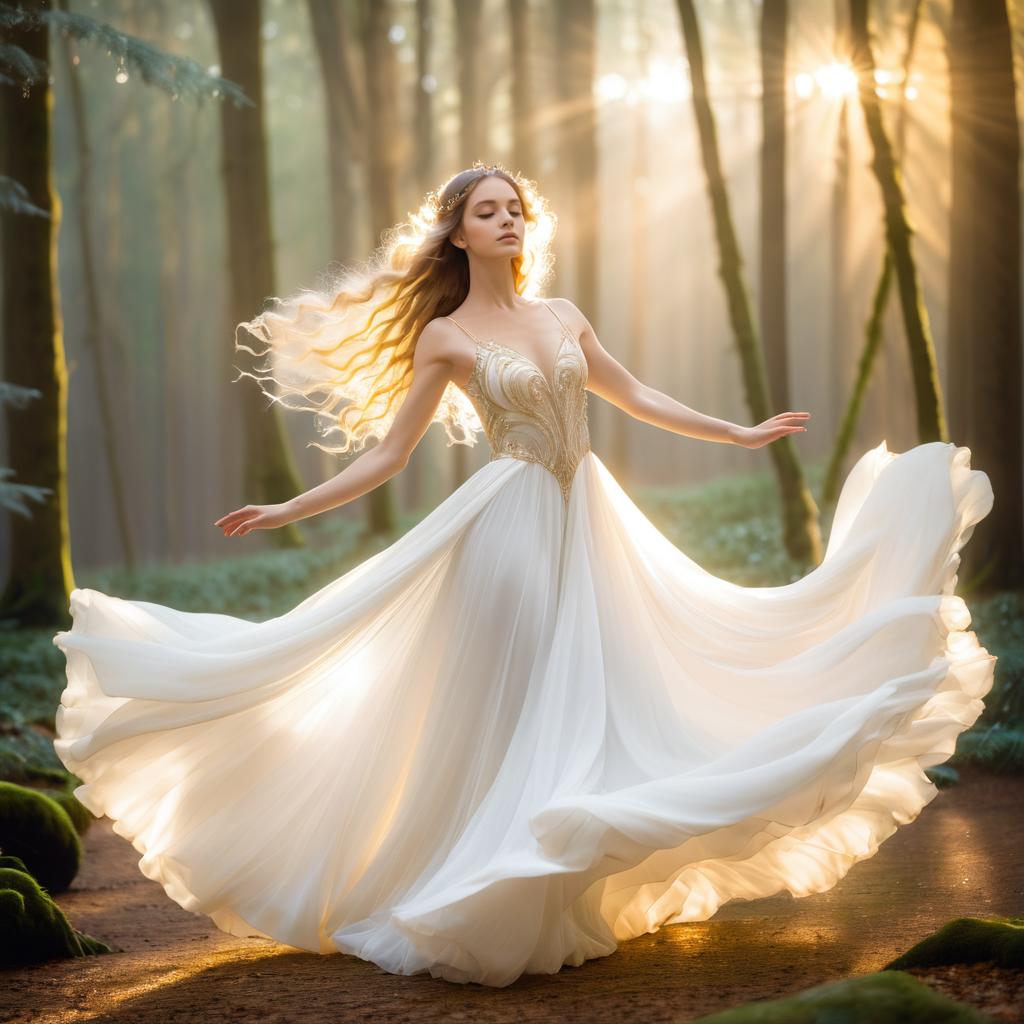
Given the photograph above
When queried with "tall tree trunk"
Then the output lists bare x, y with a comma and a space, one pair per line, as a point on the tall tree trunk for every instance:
622, 463
381, 166
345, 120
270, 471
95, 330
984, 364
472, 134
774, 19
579, 155
801, 532
36, 594
426, 146
524, 115
839, 308
875, 327
931, 423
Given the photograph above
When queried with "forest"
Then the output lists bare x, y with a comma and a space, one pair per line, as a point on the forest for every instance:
762, 205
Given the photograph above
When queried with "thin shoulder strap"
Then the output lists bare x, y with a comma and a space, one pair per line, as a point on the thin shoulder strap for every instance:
557, 317
466, 329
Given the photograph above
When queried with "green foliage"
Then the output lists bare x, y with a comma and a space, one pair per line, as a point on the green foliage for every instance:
969, 940
175, 75
32, 927
943, 775
879, 998
997, 748
731, 526
38, 830
80, 815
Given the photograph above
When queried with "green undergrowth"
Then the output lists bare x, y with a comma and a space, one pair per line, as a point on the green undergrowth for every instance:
880, 998
729, 526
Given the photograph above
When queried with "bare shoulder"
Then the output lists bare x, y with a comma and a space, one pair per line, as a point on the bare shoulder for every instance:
570, 313
440, 340
442, 344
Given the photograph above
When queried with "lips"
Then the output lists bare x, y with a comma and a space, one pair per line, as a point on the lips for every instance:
509, 235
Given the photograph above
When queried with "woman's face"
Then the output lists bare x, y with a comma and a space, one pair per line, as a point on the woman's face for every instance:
492, 221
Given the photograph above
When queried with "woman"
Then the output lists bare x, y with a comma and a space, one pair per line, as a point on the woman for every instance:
531, 727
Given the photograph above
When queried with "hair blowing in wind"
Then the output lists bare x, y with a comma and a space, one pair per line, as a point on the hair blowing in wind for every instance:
343, 350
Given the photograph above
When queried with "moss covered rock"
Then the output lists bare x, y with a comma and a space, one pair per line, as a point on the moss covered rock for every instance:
80, 815
879, 998
32, 927
38, 831
968, 940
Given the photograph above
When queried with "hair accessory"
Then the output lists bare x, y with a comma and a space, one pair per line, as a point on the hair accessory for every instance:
451, 203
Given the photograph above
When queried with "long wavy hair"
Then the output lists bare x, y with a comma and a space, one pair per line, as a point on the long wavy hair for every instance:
352, 337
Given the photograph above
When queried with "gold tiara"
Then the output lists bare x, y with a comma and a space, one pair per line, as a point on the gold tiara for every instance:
451, 203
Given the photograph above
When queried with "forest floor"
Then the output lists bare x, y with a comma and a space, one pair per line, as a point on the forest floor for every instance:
961, 857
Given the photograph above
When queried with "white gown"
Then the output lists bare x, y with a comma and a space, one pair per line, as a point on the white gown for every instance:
532, 727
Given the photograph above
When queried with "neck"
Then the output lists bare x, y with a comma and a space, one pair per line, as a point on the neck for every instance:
490, 286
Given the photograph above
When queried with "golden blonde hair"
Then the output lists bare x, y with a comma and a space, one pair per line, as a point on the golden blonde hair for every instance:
353, 337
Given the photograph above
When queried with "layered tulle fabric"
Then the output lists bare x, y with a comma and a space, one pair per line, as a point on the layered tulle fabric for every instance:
532, 727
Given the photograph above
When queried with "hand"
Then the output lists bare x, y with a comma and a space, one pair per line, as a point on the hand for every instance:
771, 430
253, 517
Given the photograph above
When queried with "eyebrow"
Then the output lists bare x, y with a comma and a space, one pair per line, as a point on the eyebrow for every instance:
514, 199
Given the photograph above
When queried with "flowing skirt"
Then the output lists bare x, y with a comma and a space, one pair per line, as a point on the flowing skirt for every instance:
530, 729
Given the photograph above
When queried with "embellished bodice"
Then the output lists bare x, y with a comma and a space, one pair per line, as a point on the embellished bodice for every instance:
527, 416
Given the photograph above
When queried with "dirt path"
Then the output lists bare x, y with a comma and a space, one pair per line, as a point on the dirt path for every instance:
960, 857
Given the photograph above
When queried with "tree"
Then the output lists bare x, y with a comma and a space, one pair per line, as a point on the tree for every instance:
524, 114
801, 533
384, 156
270, 472
41, 570
873, 331
95, 328
984, 367
578, 150
931, 421
774, 21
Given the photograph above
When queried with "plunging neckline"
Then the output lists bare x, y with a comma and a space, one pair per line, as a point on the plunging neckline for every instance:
566, 335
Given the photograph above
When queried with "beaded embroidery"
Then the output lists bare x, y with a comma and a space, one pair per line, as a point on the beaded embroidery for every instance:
527, 416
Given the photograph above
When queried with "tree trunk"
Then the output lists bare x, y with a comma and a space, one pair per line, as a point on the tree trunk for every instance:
774, 18
801, 533
984, 352
873, 334
524, 116
36, 594
931, 423
383, 156
472, 135
623, 465
345, 121
95, 330
270, 472
579, 153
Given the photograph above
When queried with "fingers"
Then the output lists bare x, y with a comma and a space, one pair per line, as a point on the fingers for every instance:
234, 523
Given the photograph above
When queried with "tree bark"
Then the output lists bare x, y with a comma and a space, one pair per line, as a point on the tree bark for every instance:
96, 331
524, 125
41, 576
270, 472
931, 422
774, 19
867, 364
383, 157
984, 351
801, 533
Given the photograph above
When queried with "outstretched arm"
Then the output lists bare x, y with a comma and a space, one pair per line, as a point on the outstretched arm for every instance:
610, 380
432, 369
